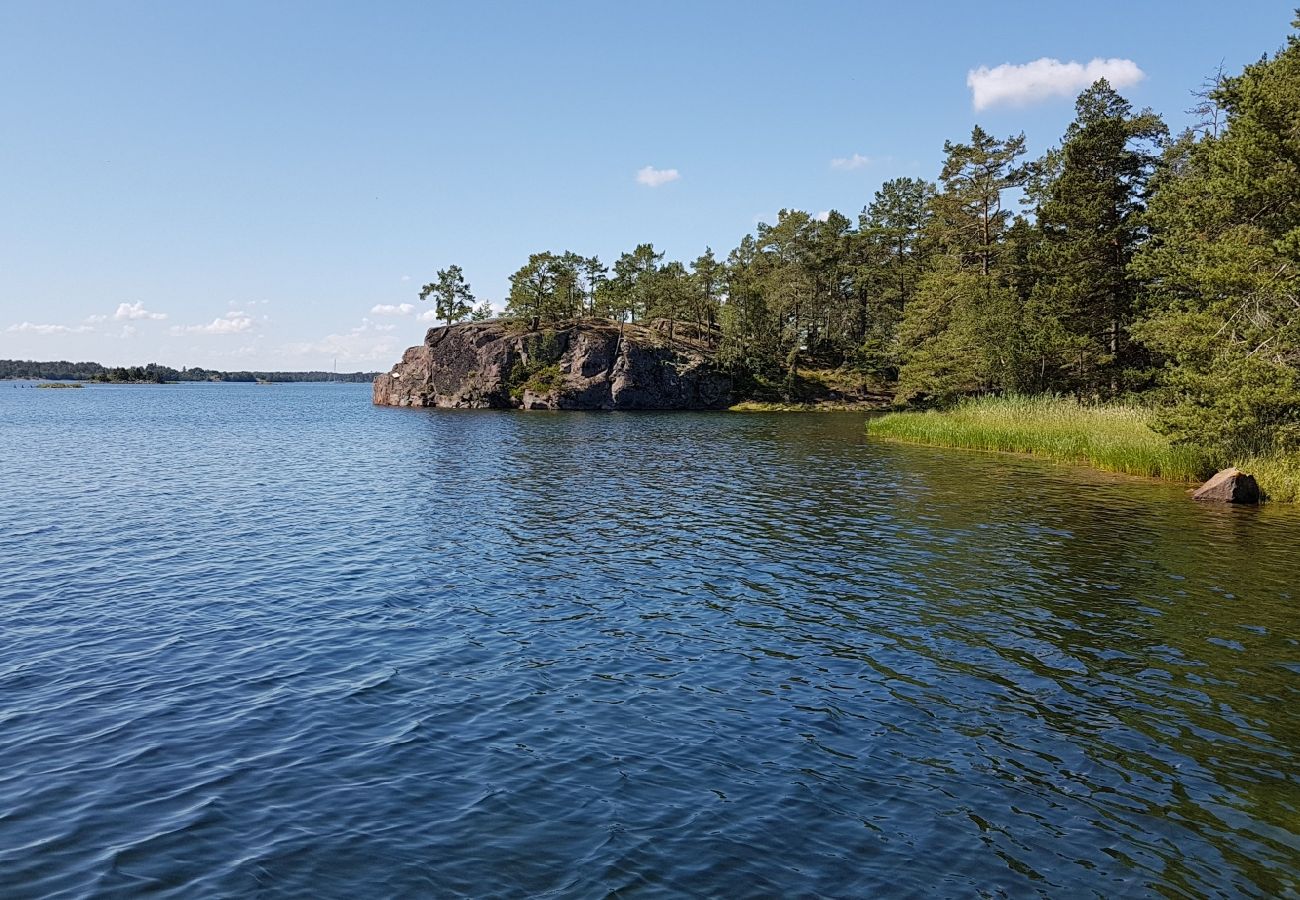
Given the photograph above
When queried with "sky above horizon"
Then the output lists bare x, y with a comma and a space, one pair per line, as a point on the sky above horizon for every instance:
265, 186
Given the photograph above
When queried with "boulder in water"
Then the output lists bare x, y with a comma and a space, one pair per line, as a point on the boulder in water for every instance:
1229, 486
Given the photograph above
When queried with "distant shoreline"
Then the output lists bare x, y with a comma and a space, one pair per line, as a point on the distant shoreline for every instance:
153, 373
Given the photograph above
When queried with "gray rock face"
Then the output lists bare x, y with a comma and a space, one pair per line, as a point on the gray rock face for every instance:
576, 365
1229, 486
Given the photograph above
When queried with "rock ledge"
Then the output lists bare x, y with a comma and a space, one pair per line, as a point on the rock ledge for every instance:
591, 364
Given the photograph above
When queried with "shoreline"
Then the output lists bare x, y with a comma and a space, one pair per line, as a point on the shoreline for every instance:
1114, 438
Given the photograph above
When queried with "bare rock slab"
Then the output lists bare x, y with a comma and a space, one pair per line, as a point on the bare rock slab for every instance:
1229, 486
589, 364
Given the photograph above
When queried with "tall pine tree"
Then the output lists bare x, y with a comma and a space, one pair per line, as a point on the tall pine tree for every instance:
1090, 196
1222, 268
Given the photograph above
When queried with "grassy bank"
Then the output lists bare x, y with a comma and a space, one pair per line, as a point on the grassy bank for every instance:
1278, 476
1113, 438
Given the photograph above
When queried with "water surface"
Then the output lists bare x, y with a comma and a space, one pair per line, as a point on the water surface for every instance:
273, 641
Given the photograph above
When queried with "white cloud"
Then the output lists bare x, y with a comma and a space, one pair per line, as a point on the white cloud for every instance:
849, 163
134, 311
35, 328
823, 216
391, 309
234, 322
96, 319
429, 315
1042, 79
406, 277
652, 177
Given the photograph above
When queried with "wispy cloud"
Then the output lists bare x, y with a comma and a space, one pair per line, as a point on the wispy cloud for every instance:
392, 309
849, 163
38, 328
234, 322
1043, 79
366, 343
135, 311
652, 177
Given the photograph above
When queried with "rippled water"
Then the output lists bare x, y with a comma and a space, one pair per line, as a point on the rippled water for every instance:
274, 641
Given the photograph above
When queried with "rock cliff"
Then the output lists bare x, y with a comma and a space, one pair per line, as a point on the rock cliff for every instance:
575, 365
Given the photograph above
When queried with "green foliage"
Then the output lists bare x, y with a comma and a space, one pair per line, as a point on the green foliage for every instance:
962, 332
1222, 268
1278, 475
1090, 197
545, 380
556, 287
452, 297
538, 369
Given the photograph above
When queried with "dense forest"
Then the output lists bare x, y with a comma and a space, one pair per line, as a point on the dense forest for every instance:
156, 374
1139, 265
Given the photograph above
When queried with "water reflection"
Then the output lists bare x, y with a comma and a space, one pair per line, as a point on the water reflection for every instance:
282, 642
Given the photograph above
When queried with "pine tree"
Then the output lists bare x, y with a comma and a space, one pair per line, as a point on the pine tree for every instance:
452, 298
1090, 196
961, 331
1222, 268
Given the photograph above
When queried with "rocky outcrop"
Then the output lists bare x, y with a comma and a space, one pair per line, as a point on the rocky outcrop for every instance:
575, 365
1229, 486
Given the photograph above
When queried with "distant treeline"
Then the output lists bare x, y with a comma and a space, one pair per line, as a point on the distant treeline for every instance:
63, 370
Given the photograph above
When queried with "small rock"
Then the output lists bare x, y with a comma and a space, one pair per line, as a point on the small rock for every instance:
1229, 486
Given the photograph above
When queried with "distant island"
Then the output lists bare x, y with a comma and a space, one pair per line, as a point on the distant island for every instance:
153, 373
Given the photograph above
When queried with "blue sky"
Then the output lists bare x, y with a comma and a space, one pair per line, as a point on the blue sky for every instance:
240, 185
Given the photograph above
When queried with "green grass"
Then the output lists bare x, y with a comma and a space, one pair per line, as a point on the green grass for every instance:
1278, 476
1115, 438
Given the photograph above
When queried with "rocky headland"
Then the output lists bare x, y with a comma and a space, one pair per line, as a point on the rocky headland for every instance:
590, 364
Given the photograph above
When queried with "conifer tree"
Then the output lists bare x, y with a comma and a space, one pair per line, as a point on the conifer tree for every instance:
1090, 195
1222, 268
962, 332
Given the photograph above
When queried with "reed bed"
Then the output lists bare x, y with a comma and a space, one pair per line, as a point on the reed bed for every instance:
1278, 476
1114, 437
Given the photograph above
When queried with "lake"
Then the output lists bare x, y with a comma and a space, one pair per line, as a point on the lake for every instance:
275, 641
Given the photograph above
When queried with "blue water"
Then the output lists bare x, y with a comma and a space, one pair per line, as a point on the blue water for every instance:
276, 642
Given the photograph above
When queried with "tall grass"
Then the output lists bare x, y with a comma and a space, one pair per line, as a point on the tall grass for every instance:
1116, 438
1278, 476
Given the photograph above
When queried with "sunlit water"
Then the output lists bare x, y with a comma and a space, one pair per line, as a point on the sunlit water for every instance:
273, 641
